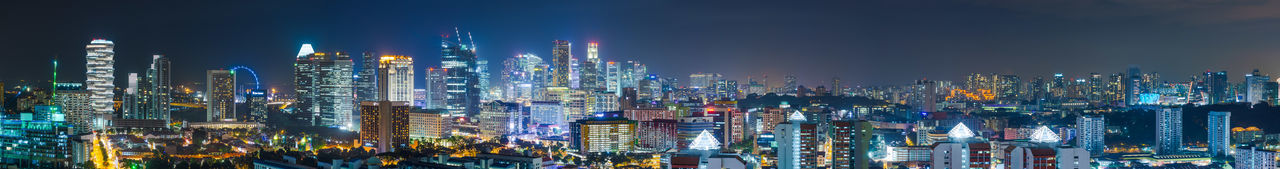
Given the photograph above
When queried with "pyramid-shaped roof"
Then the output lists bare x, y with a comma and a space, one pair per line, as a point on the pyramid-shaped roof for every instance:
705, 141
1044, 135
960, 132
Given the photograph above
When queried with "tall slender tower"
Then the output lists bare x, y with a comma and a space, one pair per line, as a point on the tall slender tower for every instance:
100, 82
1219, 132
1168, 131
590, 76
560, 67
367, 81
158, 77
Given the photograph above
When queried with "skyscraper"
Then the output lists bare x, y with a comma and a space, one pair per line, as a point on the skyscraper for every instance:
1256, 88
304, 83
334, 95
159, 86
74, 101
100, 74
129, 103
790, 85
611, 77
1090, 133
395, 78
1168, 131
1219, 132
367, 78
524, 76
459, 60
1216, 86
220, 96
590, 75
436, 90
560, 64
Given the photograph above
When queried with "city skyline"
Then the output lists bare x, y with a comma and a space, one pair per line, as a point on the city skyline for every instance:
843, 43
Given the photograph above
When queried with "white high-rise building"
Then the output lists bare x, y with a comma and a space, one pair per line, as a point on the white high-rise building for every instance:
1091, 133
1168, 131
100, 72
395, 78
1256, 89
1219, 132
1252, 158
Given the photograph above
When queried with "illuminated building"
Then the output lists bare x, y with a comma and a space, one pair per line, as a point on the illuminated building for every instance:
524, 75
687, 128
428, 124
963, 151
1216, 87
367, 78
1253, 158
384, 125
604, 134
498, 118
304, 83
100, 80
546, 113
797, 142
1168, 131
703, 80
1256, 88
612, 77
560, 64
789, 85
462, 84
1091, 133
1241, 135
159, 83
257, 101
74, 101
648, 114
220, 98
574, 101
1044, 151
1219, 132
602, 101
395, 78
436, 91
658, 134
420, 98
850, 143
35, 142
590, 74
326, 86
131, 100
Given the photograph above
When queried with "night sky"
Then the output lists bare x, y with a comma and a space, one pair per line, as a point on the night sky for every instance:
862, 42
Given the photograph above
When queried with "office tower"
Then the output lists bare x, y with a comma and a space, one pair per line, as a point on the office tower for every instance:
482, 76
384, 124
100, 80
459, 61
1216, 87
703, 80
591, 74
790, 85
1219, 132
428, 124
523, 75
605, 134
1168, 131
574, 101
836, 88
220, 96
1253, 158
130, 101
1090, 133
395, 78
420, 98
612, 81
850, 141
1133, 85
797, 142
304, 83
546, 113
367, 78
157, 78
1256, 88
333, 85
575, 73
560, 60
257, 103
437, 90
628, 98
498, 118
